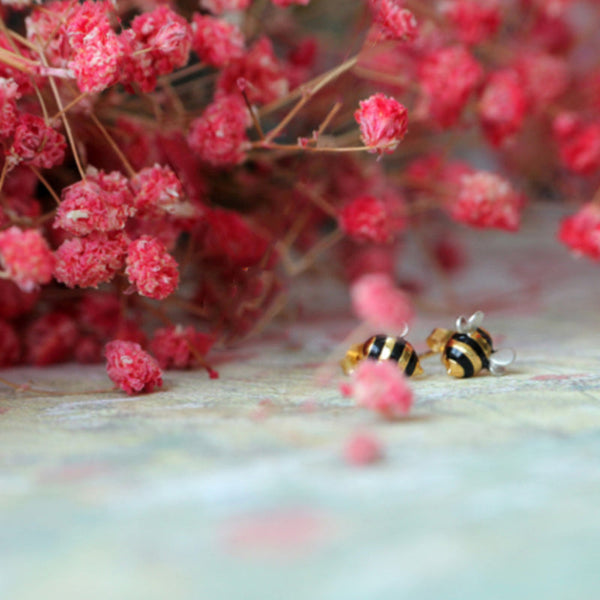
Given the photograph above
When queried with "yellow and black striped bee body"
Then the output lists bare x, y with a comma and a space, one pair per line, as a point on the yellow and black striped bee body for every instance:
466, 354
469, 349
384, 347
396, 349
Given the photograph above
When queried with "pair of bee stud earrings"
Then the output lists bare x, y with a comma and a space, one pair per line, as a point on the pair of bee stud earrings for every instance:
465, 351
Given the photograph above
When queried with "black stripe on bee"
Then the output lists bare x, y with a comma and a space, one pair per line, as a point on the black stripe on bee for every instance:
397, 350
486, 336
412, 363
465, 338
374, 346
462, 359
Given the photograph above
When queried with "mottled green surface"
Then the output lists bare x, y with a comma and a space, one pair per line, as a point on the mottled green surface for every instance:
237, 488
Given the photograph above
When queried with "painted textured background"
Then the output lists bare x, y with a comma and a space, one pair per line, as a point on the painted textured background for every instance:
236, 488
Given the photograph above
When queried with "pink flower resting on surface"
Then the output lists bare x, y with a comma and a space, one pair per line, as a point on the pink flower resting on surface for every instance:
215, 41
487, 200
218, 137
581, 231
151, 269
376, 300
363, 449
91, 260
132, 369
26, 257
383, 123
383, 388
178, 347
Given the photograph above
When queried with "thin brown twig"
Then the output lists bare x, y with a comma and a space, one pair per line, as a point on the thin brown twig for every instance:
45, 183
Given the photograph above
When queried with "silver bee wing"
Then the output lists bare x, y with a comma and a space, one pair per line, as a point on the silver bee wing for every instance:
500, 359
464, 325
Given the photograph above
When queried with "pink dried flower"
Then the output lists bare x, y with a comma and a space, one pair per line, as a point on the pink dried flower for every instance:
130, 368
91, 260
100, 202
474, 21
216, 7
580, 151
383, 123
261, 71
151, 269
36, 144
363, 449
218, 137
47, 28
502, 107
487, 200
367, 219
544, 78
97, 64
157, 43
215, 41
10, 347
50, 339
158, 192
97, 53
177, 347
26, 257
448, 78
376, 300
581, 231
383, 388
394, 22
9, 94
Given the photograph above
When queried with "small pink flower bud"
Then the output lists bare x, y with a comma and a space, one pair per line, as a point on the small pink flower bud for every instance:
383, 123
132, 369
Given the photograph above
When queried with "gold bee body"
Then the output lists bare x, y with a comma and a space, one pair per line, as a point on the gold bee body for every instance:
470, 349
384, 347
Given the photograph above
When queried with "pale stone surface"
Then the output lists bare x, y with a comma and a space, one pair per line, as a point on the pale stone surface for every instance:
237, 488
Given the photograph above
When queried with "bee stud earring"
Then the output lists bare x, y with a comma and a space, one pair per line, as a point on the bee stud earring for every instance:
469, 349
384, 347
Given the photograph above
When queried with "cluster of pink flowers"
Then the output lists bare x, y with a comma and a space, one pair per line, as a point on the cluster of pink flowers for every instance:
178, 167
